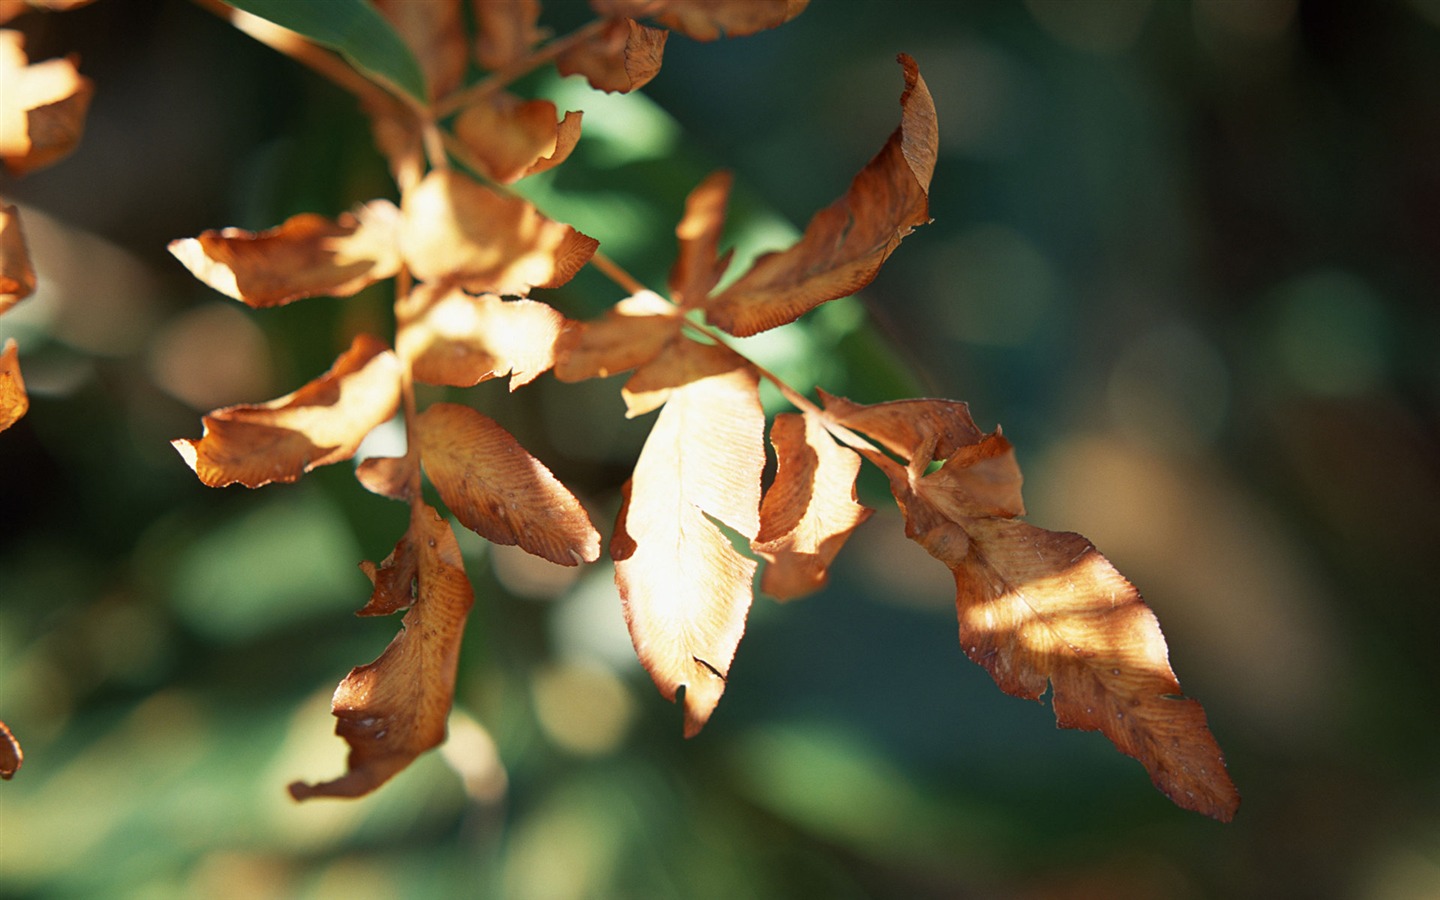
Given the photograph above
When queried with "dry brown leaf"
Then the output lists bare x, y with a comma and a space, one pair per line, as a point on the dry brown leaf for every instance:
307, 256
11, 756
900, 426
395, 708
845, 244
17, 275
699, 264
14, 402
498, 490
677, 364
1040, 608
457, 339
506, 30
706, 20
686, 590
322, 423
389, 476
458, 231
623, 56
42, 108
509, 138
435, 31
629, 334
810, 510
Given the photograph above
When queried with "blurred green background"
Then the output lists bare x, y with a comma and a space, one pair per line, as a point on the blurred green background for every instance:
1186, 252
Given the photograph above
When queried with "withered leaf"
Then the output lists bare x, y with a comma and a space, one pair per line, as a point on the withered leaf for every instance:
677, 364
706, 20
686, 591
506, 30
17, 276
1039, 608
810, 510
510, 139
458, 231
42, 108
14, 402
622, 56
450, 337
393, 709
901, 426
11, 756
845, 244
307, 256
322, 423
435, 32
498, 490
389, 476
699, 265
629, 334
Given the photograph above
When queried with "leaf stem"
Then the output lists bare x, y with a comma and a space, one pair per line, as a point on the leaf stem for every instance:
613, 271
502, 77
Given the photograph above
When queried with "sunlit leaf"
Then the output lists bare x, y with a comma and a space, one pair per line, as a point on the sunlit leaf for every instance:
845, 244
686, 590
42, 107
810, 510
322, 423
901, 426
506, 30
461, 232
509, 139
356, 30
629, 334
389, 476
677, 364
395, 708
458, 339
13, 400
435, 33
622, 56
17, 275
11, 756
307, 256
699, 264
706, 20
498, 490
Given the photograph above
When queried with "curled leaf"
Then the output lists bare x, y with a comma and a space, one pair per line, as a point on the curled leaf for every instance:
14, 402
458, 231
395, 708
510, 139
17, 275
706, 20
622, 56
629, 334
686, 590
389, 476
810, 510
42, 108
461, 340
498, 490
11, 756
699, 264
901, 426
845, 244
435, 32
322, 423
307, 256
677, 364
506, 31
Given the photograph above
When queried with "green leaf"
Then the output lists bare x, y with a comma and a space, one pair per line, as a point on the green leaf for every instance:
356, 30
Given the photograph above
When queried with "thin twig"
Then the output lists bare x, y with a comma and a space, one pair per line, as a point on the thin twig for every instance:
502, 77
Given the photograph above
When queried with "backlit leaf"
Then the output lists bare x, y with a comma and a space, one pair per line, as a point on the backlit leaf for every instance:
623, 56
706, 20
389, 476
459, 231
810, 510
395, 708
435, 33
699, 264
677, 364
510, 139
356, 30
900, 426
498, 490
11, 756
42, 107
17, 275
629, 334
322, 423
845, 244
686, 590
14, 402
506, 30
307, 256
458, 339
